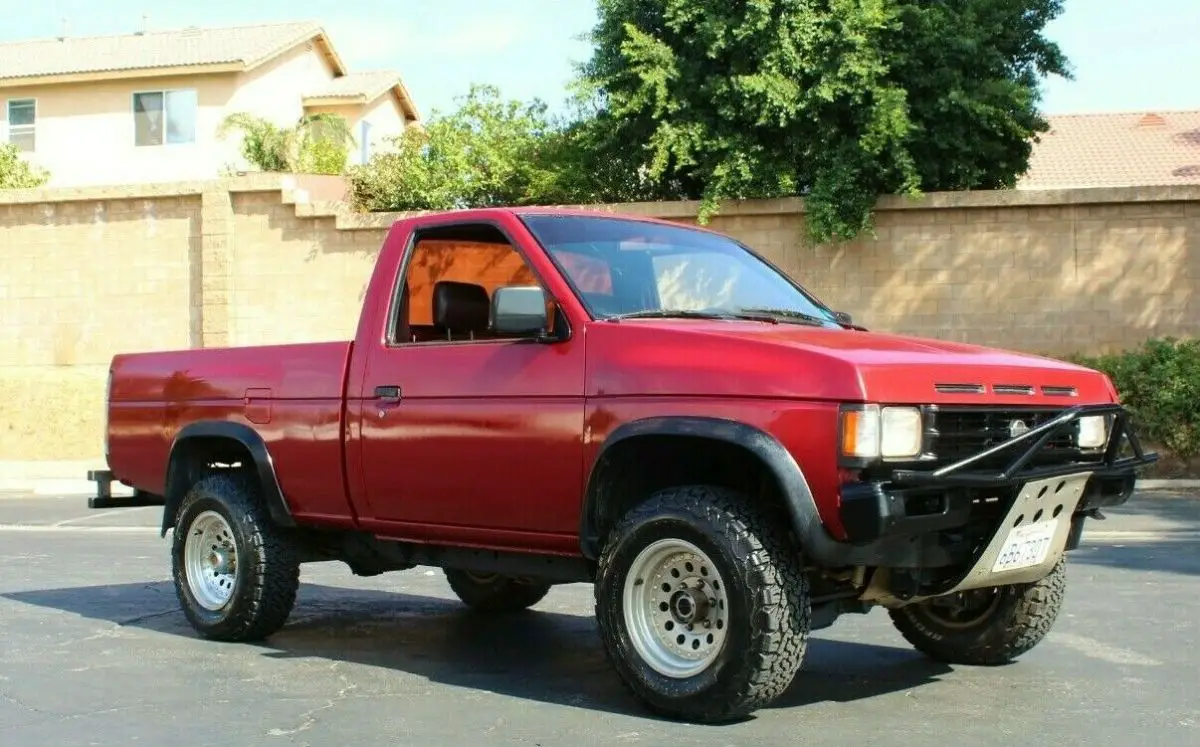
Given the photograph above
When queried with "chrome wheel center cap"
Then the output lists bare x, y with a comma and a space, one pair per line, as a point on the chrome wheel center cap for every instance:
219, 560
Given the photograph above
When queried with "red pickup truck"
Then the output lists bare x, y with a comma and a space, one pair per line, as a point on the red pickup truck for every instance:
539, 396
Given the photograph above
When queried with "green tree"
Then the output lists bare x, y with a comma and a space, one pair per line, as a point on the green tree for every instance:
488, 152
17, 173
838, 101
600, 158
315, 144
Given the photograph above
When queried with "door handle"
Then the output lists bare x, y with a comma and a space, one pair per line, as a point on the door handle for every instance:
388, 393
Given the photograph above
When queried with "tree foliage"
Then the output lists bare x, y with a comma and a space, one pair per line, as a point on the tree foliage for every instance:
315, 144
838, 101
17, 173
493, 151
488, 152
835, 100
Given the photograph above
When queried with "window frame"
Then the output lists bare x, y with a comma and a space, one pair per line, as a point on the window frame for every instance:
133, 99
587, 307
392, 320
364, 130
32, 128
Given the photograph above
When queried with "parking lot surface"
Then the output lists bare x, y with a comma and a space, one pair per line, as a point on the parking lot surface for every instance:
96, 652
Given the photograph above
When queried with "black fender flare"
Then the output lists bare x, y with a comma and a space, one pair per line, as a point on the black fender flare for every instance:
815, 542
260, 456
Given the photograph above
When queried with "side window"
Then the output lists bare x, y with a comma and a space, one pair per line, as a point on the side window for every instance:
449, 286
22, 123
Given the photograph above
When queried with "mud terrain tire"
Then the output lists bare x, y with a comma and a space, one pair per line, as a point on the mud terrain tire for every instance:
1018, 618
692, 550
495, 592
251, 597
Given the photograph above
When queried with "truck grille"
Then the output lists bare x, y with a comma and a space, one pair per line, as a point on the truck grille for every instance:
960, 432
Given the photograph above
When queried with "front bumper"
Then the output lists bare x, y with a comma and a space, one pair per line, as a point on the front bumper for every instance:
962, 526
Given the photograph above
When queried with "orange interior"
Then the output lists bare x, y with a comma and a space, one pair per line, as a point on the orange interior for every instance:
589, 274
490, 265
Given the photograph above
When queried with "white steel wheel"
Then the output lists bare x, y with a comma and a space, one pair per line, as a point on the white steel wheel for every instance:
210, 560
675, 608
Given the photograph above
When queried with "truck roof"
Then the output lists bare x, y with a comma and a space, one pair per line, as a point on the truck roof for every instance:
572, 211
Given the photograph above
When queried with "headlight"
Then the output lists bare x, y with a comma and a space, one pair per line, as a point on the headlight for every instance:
871, 431
1093, 432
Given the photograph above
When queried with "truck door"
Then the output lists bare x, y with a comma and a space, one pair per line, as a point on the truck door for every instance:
469, 434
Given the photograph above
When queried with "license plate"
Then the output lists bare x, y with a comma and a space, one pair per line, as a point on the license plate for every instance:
1026, 546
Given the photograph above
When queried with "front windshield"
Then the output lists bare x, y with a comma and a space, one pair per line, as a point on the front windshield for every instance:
626, 267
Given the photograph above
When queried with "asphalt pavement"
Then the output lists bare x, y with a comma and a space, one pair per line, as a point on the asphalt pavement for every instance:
95, 651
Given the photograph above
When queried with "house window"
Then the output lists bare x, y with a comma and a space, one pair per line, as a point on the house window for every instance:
364, 140
22, 114
164, 117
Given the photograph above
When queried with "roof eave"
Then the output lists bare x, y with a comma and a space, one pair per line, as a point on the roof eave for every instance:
341, 100
407, 105
102, 75
316, 35
397, 89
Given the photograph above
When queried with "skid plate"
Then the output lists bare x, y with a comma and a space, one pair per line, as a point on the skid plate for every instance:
1039, 522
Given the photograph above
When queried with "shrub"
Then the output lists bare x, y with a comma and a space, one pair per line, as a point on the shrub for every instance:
492, 150
315, 144
16, 173
1159, 382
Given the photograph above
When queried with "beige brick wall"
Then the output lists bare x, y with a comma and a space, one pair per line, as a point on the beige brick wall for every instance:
295, 279
82, 280
1040, 278
264, 259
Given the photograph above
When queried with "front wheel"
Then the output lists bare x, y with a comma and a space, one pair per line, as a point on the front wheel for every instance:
702, 605
236, 573
986, 627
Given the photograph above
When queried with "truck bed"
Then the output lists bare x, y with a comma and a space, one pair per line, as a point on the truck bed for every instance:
290, 395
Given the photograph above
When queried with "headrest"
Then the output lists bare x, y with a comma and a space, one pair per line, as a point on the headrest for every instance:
460, 307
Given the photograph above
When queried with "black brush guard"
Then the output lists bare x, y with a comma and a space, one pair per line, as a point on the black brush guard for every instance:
878, 509
959, 474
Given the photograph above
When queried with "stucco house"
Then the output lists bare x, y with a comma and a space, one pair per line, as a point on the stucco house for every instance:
146, 106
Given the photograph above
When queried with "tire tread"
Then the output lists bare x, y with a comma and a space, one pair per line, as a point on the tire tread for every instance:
505, 595
269, 591
1024, 619
779, 613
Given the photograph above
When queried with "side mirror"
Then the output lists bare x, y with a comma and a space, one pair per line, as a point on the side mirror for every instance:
846, 321
519, 310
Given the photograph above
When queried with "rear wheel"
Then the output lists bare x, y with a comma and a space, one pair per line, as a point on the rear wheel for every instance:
236, 574
492, 592
702, 605
987, 626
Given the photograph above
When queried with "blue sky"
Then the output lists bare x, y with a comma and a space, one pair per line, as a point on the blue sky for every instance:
1123, 59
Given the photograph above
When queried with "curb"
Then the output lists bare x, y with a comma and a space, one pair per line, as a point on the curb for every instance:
57, 487
1168, 485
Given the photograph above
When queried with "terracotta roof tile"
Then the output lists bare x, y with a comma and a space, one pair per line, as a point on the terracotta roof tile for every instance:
155, 49
1116, 150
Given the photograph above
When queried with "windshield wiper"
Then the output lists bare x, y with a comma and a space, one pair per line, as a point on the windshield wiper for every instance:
792, 314
691, 314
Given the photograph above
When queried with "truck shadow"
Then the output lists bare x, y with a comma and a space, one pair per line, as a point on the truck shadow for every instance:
541, 655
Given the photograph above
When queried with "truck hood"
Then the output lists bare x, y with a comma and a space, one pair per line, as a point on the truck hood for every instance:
736, 358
